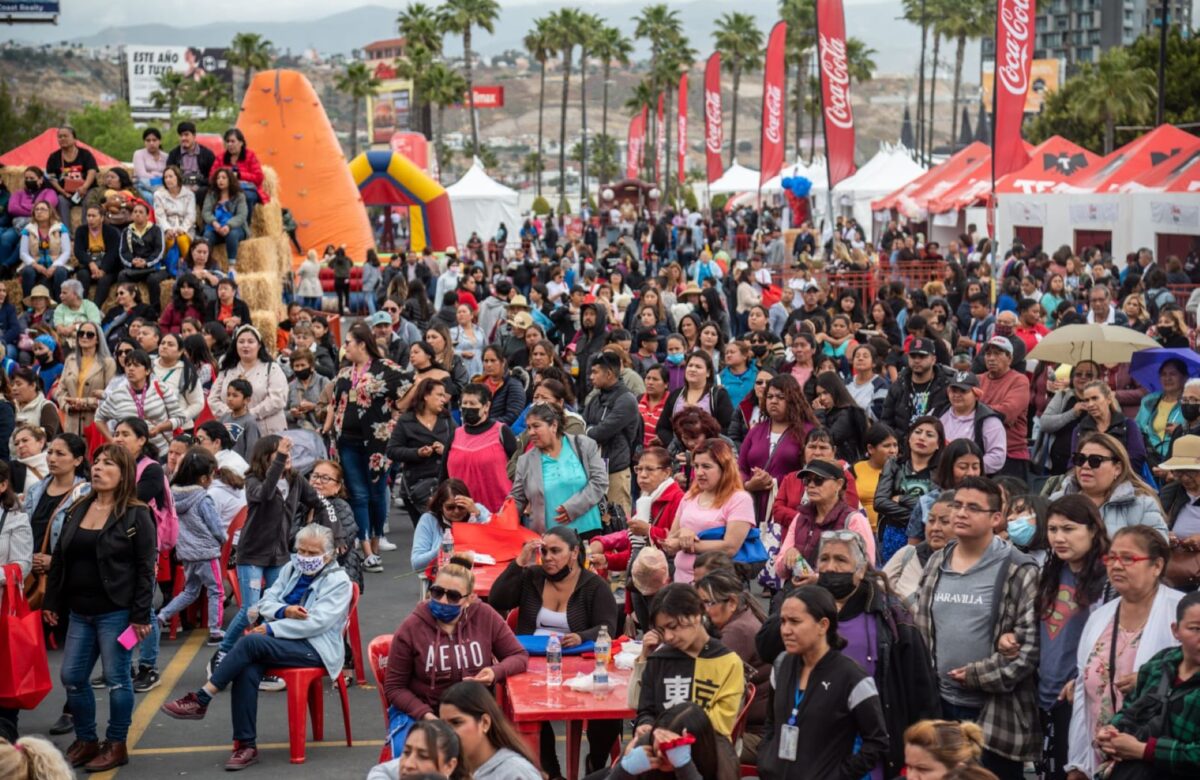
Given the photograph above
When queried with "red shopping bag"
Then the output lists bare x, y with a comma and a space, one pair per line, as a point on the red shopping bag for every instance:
95, 438
24, 668
771, 295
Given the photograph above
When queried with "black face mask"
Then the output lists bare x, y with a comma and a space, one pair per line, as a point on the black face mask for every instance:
839, 584
759, 350
1165, 333
44, 359
559, 575
471, 416
31, 186
303, 374
1191, 412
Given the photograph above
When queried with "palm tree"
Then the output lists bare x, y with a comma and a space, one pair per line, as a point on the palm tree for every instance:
419, 26
414, 65
967, 20
533, 165
461, 16
677, 58
172, 86
567, 28
801, 18
661, 26
539, 42
359, 83
590, 26
859, 59
915, 12
210, 92
937, 11
643, 97
444, 86
740, 42
608, 46
1117, 89
250, 52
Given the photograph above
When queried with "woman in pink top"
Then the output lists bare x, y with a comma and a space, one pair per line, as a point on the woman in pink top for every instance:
715, 500
480, 450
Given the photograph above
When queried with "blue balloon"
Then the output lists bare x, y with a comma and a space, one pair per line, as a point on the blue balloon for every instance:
797, 185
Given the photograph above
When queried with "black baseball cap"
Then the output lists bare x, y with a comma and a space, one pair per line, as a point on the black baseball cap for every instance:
823, 468
964, 380
922, 346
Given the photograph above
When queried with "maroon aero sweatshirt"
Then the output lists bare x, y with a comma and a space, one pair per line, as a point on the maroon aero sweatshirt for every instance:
425, 660
1008, 396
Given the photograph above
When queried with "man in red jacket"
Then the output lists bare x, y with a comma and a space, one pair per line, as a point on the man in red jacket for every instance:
1007, 392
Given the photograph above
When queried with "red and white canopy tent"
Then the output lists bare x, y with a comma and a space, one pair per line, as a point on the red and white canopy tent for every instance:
1023, 196
36, 150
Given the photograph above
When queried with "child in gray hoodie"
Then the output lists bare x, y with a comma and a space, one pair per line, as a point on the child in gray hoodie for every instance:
201, 535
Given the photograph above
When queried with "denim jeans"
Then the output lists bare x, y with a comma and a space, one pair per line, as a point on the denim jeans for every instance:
148, 649
231, 240
90, 637
250, 580
368, 492
31, 278
10, 238
245, 666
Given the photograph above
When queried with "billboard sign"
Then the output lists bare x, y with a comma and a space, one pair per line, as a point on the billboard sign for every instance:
145, 65
1043, 78
388, 110
29, 12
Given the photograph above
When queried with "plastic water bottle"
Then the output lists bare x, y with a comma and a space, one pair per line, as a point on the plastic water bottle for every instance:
603, 649
554, 662
447, 548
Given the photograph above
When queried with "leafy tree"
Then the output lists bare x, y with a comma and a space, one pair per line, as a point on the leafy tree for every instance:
603, 153
1182, 76
110, 129
18, 126
172, 87
359, 83
461, 17
540, 206
1115, 88
740, 43
539, 42
210, 93
250, 52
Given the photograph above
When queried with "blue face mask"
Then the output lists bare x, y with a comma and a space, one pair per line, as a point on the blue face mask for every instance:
675, 358
1021, 530
444, 613
309, 564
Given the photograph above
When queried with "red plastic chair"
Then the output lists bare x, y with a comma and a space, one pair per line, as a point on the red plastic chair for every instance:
199, 610
354, 637
304, 692
511, 619
377, 652
739, 727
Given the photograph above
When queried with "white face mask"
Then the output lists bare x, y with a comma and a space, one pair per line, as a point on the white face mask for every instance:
309, 564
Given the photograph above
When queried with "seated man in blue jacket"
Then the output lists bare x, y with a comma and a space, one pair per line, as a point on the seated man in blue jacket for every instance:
301, 621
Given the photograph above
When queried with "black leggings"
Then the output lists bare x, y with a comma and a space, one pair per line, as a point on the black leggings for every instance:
342, 288
601, 734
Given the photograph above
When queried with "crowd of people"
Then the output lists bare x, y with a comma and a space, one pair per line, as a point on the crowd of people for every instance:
872, 520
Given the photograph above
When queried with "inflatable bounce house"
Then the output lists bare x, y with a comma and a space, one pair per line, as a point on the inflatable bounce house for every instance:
388, 178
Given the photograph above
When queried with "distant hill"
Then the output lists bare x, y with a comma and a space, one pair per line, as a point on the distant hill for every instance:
896, 42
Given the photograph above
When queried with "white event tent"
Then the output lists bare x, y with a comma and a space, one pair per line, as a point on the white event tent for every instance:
479, 204
891, 168
736, 179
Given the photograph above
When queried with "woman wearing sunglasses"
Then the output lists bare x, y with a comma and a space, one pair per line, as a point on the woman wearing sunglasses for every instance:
825, 510
1063, 413
1104, 415
1104, 474
448, 638
1118, 638
88, 371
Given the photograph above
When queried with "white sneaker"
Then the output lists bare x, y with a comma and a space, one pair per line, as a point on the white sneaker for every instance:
271, 683
373, 564
384, 545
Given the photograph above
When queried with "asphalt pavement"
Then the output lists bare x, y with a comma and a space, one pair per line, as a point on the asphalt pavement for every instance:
161, 747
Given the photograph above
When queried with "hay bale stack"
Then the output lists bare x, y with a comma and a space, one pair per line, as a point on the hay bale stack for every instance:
261, 290
221, 255
270, 183
13, 177
16, 296
166, 288
257, 256
283, 250
267, 220
266, 321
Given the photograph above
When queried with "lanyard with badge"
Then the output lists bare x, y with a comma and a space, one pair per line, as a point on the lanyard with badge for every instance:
789, 733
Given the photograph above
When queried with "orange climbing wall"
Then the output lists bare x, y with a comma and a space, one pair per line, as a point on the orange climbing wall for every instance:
285, 124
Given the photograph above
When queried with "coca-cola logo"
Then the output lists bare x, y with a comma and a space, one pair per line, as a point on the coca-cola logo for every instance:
774, 106
1013, 68
837, 82
712, 118
681, 135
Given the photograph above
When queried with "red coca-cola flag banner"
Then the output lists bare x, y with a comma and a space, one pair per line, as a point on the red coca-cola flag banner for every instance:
660, 143
837, 113
712, 117
1014, 58
681, 128
635, 143
771, 149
